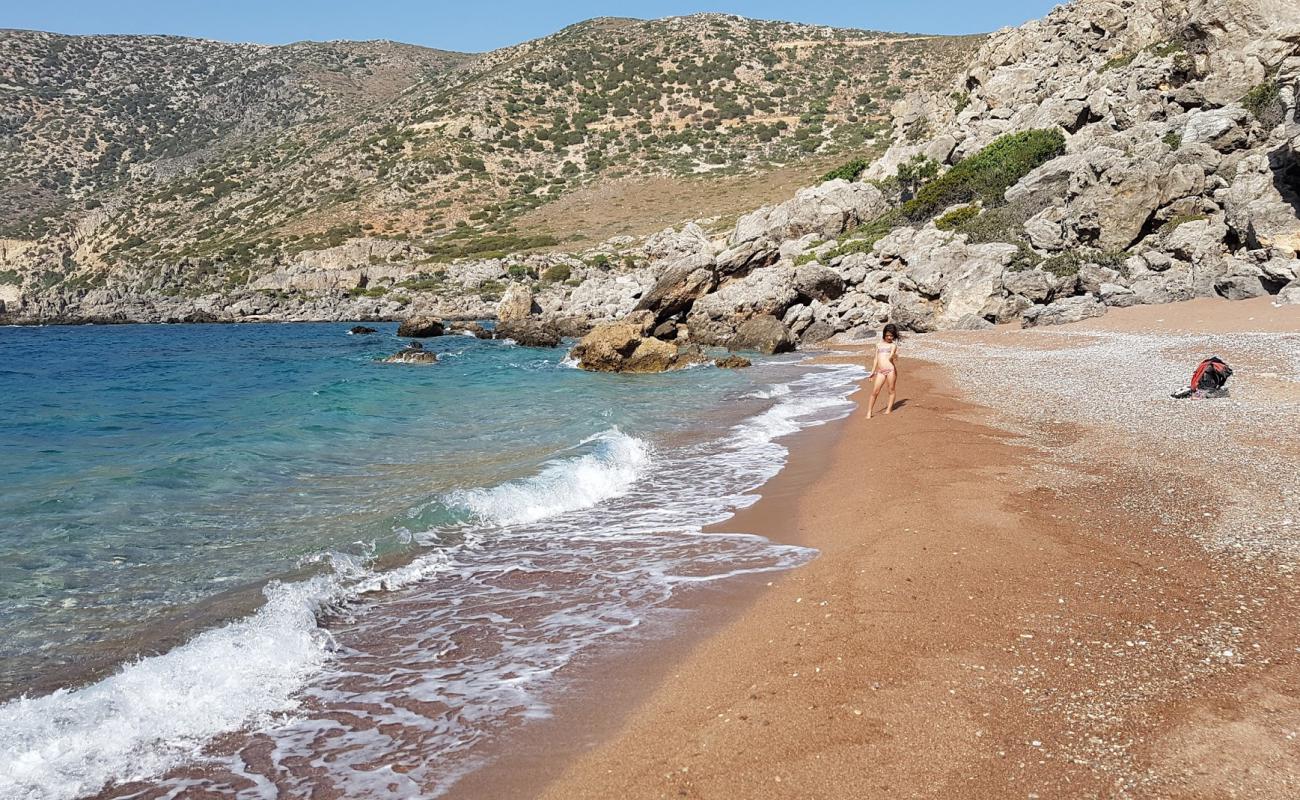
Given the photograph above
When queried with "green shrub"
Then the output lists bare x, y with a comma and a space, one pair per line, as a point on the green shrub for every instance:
557, 274
1118, 61
956, 217
987, 175
1264, 102
1168, 48
10, 276
847, 172
1173, 140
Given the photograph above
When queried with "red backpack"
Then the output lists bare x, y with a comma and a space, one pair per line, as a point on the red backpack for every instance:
1210, 376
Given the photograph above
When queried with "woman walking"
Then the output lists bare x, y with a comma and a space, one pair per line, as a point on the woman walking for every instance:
885, 369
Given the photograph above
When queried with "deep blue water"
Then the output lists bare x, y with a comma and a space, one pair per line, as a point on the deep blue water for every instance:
449, 534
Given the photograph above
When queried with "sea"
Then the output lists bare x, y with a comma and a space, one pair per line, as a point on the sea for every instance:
253, 561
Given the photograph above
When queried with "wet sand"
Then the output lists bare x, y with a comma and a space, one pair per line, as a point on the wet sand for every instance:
994, 614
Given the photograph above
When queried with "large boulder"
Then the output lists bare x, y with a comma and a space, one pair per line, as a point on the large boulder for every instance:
625, 347
1224, 129
516, 304
1064, 311
469, 328
420, 327
1290, 294
680, 285
816, 282
607, 346
1263, 203
764, 333
529, 333
826, 211
765, 292
671, 244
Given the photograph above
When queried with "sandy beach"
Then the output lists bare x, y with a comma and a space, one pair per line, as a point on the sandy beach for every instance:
1040, 577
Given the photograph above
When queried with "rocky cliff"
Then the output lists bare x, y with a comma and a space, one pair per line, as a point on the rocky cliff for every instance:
1116, 152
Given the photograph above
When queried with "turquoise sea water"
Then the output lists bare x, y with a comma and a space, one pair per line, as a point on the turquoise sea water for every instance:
438, 541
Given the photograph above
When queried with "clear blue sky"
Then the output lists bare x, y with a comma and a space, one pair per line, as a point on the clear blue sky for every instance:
475, 25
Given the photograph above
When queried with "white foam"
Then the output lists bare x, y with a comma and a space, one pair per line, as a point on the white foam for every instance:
155, 713
564, 485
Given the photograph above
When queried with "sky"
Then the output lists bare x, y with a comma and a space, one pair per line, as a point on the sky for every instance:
477, 25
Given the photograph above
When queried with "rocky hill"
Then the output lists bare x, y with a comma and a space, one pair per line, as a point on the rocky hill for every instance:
1117, 152
138, 165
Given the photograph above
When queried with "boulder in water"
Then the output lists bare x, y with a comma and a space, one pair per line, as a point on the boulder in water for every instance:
413, 354
732, 362
358, 330
529, 333
469, 329
421, 327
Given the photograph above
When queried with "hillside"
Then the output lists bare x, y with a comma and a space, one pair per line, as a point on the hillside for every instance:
134, 160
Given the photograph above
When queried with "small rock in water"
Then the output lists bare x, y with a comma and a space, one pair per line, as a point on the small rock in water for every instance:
732, 362
413, 354
361, 329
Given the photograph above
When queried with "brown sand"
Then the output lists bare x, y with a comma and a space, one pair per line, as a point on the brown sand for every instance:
982, 623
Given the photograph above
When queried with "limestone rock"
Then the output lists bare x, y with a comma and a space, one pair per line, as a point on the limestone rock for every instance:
413, 354
764, 333
816, 282
681, 284
624, 347
732, 361
606, 347
1064, 311
826, 210
420, 327
469, 329
529, 332
516, 304
1262, 207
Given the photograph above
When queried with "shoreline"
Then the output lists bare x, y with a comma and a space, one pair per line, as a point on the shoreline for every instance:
624, 674
986, 619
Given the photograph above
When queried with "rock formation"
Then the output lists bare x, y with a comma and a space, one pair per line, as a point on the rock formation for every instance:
420, 327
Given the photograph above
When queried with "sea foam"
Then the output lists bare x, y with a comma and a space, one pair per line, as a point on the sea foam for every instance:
614, 464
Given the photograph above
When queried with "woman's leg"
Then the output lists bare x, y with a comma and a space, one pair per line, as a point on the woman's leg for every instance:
877, 381
893, 383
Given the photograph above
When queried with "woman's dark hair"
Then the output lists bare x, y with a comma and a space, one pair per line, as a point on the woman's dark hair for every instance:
891, 330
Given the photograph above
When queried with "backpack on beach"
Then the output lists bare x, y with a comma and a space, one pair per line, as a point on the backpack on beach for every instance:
1210, 377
